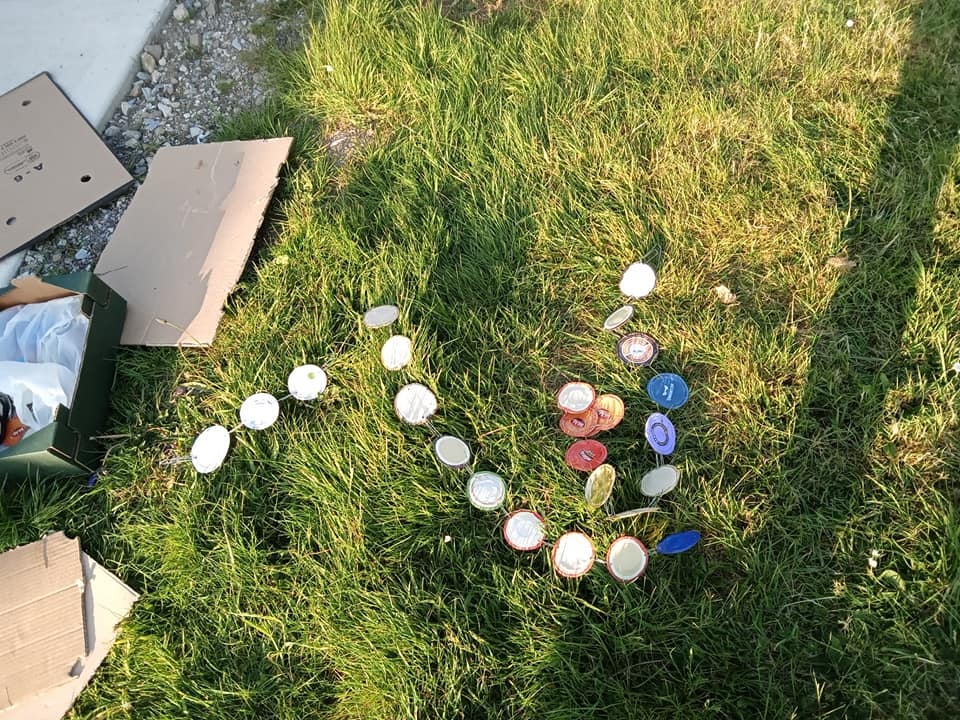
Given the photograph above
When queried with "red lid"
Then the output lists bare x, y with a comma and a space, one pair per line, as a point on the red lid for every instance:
586, 455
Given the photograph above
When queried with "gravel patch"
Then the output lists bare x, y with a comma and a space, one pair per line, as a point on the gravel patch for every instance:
193, 75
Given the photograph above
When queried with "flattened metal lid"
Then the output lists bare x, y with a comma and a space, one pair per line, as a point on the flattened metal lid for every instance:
586, 455
618, 318
415, 404
381, 316
660, 481
307, 382
573, 555
210, 449
397, 352
668, 390
259, 411
486, 490
576, 397
660, 434
451, 451
627, 559
638, 280
638, 349
600, 485
523, 530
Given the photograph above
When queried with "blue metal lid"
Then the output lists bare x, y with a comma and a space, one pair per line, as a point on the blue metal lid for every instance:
678, 542
668, 390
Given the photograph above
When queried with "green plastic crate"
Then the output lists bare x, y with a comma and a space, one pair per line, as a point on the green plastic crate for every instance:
65, 447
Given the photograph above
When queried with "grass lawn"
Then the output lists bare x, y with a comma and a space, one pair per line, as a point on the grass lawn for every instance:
522, 156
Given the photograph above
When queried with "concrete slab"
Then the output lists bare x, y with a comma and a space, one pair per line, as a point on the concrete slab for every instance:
92, 50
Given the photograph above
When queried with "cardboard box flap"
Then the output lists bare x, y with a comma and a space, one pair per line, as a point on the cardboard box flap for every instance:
53, 165
181, 246
31, 289
41, 617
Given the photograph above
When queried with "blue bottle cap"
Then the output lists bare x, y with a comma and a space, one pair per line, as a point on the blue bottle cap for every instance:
668, 390
660, 433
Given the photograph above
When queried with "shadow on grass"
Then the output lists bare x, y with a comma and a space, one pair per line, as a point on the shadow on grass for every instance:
834, 478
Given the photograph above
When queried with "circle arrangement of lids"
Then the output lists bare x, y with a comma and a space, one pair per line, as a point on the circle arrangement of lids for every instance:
627, 559
486, 490
381, 316
307, 382
586, 455
397, 352
660, 481
638, 349
579, 425
451, 451
523, 530
600, 485
576, 397
618, 318
678, 542
610, 411
210, 448
660, 433
259, 411
638, 280
668, 390
415, 404
573, 554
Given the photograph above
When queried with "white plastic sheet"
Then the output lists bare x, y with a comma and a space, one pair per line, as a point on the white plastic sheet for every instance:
41, 348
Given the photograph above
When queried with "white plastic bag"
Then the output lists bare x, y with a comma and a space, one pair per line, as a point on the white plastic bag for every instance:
41, 348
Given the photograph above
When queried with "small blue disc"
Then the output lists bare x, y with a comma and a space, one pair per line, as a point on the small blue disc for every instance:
660, 433
678, 542
668, 390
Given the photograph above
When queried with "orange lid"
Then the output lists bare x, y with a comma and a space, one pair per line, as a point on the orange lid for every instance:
579, 425
609, 409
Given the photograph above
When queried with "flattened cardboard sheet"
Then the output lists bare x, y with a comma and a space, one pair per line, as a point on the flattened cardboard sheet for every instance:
106, 601
181, 246
41, 617
53, 166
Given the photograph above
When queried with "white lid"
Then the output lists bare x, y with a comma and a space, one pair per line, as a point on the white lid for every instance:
638, 280
259, 411
573, 555
523, 530
451, 451
210, 448
618, 318
415, 404
397, 352
381, 316
486, 490
575, 397
600, 485
627, 559
307, 382
660, 481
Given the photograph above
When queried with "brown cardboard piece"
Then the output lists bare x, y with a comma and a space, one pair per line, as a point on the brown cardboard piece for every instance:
53, 166
41, 617
106, 601
31, 289
182, 244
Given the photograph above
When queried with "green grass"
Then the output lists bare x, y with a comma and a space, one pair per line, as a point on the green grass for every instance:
523, 158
